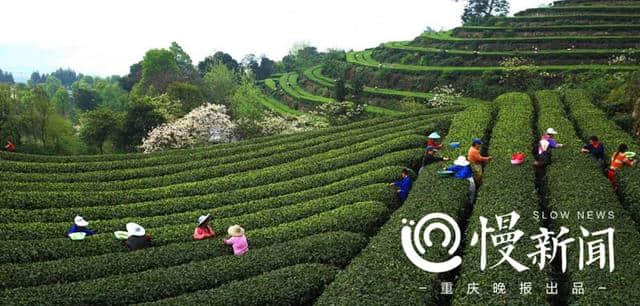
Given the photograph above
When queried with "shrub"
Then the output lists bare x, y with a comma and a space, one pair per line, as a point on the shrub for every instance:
221, 215
325, 161
505, 188
295, 285
150, 177
576, 184
383, 258
291, 191
331, 248
49, 164
360, 217
592, 121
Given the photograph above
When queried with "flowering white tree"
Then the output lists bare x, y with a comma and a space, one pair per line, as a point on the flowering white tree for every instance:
444, 96
273, 124
341, 112
206, 124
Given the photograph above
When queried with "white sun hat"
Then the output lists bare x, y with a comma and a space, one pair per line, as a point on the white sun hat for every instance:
235, 230
80, 221
134, 229
461, 161
434, 135
202, 219
551, 131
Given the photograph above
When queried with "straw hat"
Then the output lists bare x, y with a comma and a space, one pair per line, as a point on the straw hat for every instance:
434, 135
203, 219
235, 230
551, 131
461, 161
134, 229
80, 221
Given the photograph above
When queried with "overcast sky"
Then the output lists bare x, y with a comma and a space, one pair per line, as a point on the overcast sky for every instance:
106, 37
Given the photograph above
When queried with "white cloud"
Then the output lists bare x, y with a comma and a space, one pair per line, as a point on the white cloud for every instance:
105, 37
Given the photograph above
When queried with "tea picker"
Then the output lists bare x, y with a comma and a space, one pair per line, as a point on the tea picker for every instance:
203, 230
594, 147
619, 159
403, 185
545, 145
80, 229
10, 146
238, 241
434, 141
476, 159
462, 171
136, 237
430, 158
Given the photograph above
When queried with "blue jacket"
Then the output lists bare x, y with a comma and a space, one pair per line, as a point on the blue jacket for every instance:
596, 152
405, 185
76, 229
461, 172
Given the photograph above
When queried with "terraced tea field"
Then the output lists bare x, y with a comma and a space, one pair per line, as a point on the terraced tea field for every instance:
290, 193
324, 227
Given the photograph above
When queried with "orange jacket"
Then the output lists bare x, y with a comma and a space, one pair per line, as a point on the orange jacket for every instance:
474, 156
618, 160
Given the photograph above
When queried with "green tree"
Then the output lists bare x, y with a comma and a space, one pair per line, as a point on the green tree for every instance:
6, 77
219, 83
36, 78
99, 125
111, 94
63, 103
244, 102
85, 97
159, 69
170, 109
357, 85
61, 137
9, 115
66, 76
250, 63
301, 56
141, 117
477, 10
218, 58
51, 85
187, 72
266, 68
188, 94
289, 63
39, 114
339, 90
135, 74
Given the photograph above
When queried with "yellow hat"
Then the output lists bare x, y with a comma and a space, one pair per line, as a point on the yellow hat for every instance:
235, 230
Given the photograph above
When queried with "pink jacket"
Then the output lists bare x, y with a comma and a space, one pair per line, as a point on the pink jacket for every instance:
239, 244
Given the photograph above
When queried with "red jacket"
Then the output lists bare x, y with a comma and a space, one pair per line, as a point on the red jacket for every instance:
10, 146
203, 232
433, 143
